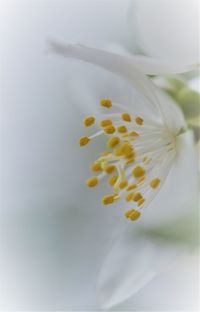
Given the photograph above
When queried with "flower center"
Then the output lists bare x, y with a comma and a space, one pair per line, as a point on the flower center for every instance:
137, 160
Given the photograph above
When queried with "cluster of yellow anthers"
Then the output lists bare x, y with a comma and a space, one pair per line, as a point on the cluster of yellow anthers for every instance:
125, 160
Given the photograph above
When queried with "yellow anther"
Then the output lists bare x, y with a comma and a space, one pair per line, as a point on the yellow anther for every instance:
105, 122
109, 129
96, 167
128, 213
108, 199
122, 129
89, 121
129, 197
127, 149
154, 183
84, 141
131, 187
133, 134
126, 117
137, 196
140, 202
132, 214
130, 161
123, 184
106, 103
93, 181
112, 142
138, 172
139, 120
112, 180
109, 169
118, 152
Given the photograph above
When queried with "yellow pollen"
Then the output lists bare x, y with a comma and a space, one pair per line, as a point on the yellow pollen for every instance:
93, 181
106, 103
96, 167
123, 184
122, 129
131, 187
129, 197
108, 199
154, 183
140, 202
105, 123
139, 120
138, 172
89, 121
112, 142
110, 169
112, 180
126, 117
84, 141
132, 214
109, 129
133, 134
137, 196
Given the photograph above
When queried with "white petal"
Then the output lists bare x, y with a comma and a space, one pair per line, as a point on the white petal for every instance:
172, 113
119, 65
132, 262
179, 194
153, 66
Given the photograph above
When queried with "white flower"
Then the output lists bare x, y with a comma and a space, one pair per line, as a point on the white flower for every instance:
153, 142
141, 149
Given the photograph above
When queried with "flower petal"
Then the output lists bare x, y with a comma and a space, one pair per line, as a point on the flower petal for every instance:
134, 260
117, 64
153, 66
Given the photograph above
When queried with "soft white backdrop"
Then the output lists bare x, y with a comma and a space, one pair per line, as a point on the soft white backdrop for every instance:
47, 214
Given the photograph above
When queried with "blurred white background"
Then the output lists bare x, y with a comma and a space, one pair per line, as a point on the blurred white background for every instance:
46, 214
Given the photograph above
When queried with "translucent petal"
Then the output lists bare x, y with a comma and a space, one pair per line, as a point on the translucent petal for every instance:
133, 261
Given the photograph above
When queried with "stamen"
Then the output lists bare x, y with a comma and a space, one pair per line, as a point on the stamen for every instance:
109, 129
138, 172
105, 122
139, 120
129, 197
154, 183
84, 141
131, 187
110, 169
93, 181
89, 121
126, 117
112, 142
96, 167
109, 199
106, 103
122, 129
123, 184
137, 196
132, 214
